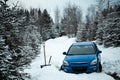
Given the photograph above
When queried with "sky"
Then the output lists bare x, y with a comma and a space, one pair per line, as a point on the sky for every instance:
51, 5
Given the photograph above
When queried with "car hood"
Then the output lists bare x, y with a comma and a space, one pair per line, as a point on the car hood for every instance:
80, 58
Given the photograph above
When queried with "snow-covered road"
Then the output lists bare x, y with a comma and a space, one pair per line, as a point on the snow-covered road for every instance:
55, 48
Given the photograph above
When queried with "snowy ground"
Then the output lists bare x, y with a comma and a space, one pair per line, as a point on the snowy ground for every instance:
55, 48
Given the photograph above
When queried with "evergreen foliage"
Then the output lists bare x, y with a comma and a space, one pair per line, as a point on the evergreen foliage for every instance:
19, 41
46, 25
102, 24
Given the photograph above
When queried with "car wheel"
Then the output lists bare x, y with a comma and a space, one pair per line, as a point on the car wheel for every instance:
61, 68
100, 67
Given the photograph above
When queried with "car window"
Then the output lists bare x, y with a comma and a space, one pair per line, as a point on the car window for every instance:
87, 49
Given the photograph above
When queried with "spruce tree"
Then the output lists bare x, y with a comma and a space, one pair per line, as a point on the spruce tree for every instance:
46, 25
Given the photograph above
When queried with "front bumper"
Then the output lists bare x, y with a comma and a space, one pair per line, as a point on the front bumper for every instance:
80, 69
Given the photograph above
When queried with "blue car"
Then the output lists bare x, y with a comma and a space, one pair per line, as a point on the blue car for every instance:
82, 57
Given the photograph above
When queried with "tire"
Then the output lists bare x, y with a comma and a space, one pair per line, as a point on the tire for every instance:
61, 68
100, 67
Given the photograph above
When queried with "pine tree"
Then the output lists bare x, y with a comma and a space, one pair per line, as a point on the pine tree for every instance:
46, 25
27, 14
8, 68
13, 51
108, 28
38, 22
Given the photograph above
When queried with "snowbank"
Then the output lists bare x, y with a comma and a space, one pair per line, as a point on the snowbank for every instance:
55, 48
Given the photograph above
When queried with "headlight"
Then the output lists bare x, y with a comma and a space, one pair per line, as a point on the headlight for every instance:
94, 62
65, 63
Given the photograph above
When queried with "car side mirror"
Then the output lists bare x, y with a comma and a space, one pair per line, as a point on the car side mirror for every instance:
64, 53
99, 51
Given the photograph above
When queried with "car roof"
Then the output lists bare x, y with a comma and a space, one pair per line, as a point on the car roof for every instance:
83, 43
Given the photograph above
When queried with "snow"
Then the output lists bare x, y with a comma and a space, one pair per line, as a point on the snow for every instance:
55, 47
111, 59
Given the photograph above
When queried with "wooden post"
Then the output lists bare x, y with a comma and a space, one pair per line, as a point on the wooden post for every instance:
50, 59
45, 58
44, 53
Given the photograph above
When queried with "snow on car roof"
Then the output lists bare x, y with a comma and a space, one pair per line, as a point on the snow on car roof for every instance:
83, 43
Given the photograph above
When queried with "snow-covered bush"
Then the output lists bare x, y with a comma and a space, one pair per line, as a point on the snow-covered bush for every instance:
109, 33
102, 24
14, 53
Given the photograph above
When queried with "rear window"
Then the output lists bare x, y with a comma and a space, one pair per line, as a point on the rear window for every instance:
81, 50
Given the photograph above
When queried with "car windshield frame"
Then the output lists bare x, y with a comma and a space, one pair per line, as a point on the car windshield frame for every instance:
81, 50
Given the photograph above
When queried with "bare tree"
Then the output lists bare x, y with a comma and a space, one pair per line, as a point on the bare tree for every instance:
72, 15
56, 28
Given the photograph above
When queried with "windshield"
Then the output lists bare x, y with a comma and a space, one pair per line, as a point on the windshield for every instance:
81, 50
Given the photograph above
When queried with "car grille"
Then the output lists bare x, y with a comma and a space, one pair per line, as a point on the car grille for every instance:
79, 69
77, 63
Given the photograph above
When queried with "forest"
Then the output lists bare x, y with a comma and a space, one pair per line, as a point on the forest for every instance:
22, 31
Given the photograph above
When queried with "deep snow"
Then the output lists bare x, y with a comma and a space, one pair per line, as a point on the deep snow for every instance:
55, 47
